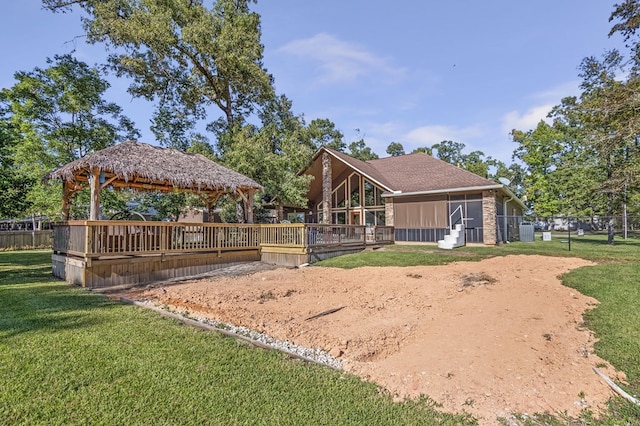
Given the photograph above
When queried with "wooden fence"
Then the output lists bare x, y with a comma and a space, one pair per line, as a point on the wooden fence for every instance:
25, 239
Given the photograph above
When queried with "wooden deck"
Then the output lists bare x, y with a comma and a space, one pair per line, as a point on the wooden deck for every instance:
98, 254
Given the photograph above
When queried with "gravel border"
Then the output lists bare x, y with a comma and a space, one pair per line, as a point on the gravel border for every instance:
317, 356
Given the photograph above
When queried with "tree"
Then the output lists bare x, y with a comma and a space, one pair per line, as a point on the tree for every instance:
358, 149
475, 162
273, 154
59, 114
425, 149
184, 54
608, 109
323, 132
449, 151
14, 187
395, 149
63, 105
538, 150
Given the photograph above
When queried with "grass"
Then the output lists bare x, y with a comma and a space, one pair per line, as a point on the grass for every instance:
591, 247
68, 356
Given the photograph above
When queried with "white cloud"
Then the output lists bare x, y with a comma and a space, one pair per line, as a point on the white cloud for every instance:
556, 93
544, 102
429, 135
340, 61
526, 120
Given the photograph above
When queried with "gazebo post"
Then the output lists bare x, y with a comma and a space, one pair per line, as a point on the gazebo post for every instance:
94, 210
250, 193
66, 200
248, 203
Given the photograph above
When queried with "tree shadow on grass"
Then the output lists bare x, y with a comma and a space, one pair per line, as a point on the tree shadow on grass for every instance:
49, 307
33, 300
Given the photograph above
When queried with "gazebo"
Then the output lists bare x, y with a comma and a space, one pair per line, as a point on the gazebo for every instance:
144, 167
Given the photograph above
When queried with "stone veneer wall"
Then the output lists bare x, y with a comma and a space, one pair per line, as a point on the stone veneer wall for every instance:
489, 217
388, 212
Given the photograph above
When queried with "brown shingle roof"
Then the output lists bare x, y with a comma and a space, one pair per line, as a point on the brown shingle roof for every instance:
420, 172
415, 172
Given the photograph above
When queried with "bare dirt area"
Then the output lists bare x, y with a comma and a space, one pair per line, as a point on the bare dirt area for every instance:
491, 338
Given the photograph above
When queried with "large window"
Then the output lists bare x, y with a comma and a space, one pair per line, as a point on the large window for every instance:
340, 196
374, 217
340, 218
354, 190
372, 195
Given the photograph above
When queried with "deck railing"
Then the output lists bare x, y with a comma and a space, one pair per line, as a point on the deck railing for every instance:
127, 238
331, 235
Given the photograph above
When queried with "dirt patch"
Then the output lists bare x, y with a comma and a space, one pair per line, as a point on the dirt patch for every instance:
490, 338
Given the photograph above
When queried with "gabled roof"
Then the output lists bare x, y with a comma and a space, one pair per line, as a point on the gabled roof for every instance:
363, 167
416, 173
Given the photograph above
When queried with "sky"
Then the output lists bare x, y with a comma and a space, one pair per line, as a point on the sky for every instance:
416, 72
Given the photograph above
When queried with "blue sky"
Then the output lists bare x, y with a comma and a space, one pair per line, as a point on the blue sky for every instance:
412, 71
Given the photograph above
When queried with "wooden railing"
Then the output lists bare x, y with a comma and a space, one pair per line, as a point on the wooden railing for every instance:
287, 235
332, 235
100, 238
384, 234
126, 238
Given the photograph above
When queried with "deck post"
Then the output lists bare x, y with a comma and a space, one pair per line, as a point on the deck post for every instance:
326, 188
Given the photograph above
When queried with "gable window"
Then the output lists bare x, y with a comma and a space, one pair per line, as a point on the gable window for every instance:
340, 196
354, 190
372, 195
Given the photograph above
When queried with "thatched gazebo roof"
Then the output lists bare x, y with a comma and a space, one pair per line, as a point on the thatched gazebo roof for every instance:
145, 167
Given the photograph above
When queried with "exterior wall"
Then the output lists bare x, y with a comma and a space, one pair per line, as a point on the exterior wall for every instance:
426, 218
489, 217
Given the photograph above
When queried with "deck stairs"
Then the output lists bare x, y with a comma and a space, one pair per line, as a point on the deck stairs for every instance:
456, 236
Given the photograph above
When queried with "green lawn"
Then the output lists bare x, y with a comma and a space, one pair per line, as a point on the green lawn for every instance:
590, 247
68, 356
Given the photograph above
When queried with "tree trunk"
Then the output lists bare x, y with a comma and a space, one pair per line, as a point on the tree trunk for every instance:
249, 205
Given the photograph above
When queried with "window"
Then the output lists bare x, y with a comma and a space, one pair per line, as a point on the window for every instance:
354, 190
372, 195
339, 218
369, 218
340, 196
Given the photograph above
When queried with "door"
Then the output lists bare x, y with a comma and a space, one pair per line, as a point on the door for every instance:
355, 218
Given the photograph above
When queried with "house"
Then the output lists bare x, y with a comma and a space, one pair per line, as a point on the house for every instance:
420, 196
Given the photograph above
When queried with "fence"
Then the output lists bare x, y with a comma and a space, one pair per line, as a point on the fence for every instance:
595, 223
25, 239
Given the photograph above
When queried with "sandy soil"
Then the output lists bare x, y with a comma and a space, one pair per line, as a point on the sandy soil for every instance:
490, 338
